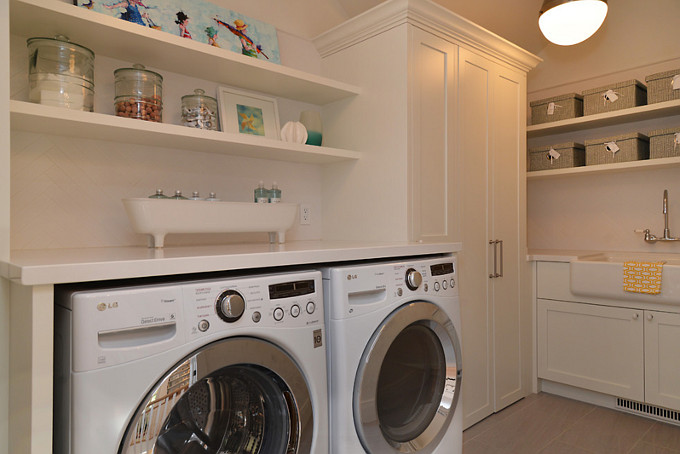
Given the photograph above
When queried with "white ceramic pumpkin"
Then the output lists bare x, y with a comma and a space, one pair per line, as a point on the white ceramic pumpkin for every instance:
294, 131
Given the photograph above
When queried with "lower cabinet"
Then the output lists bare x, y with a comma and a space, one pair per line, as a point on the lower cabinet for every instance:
625, 352
662, 359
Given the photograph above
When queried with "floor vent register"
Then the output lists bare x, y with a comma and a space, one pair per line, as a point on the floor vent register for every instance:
660, 413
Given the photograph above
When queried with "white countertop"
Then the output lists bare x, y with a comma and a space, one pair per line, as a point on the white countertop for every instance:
556, 255
57, 266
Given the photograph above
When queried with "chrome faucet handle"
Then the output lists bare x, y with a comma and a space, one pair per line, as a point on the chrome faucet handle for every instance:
648, 235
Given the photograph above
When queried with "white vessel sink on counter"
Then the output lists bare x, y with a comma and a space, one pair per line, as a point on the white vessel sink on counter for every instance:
159, 217
601, 275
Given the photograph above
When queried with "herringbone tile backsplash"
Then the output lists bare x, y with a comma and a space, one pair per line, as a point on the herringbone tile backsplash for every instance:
67, 192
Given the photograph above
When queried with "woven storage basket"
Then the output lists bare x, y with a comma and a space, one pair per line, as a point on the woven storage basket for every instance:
570, 155
563, 107
632, 147
660, 86
630, 93
664, 143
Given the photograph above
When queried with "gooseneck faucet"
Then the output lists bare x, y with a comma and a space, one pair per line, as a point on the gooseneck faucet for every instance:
666, 231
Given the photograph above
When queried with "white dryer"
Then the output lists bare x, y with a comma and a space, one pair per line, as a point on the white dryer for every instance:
394, 358
230, 365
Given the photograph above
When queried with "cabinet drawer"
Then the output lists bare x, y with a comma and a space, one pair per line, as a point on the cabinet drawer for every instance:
593, 347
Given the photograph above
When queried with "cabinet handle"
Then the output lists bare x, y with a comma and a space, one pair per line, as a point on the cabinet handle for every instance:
636, 316
501, 260
650, 316
495, 259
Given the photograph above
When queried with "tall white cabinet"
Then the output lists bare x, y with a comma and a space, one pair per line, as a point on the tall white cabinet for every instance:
493, 269
441, 127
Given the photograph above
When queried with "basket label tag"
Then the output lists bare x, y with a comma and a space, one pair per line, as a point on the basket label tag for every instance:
676, 141
610, 95
552, 106
675, 82
553, 154
611, 147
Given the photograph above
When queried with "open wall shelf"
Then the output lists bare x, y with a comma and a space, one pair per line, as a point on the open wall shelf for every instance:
25, 116
126, 41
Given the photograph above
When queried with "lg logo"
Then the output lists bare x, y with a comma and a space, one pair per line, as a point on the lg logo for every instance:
103, 306
351, 276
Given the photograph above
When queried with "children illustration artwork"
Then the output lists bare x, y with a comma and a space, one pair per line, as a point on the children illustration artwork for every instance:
198, 20
250, 120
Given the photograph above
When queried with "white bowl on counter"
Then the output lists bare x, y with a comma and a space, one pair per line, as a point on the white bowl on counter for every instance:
159, 217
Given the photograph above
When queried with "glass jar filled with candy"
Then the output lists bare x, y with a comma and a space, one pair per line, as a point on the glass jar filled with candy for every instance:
199, 110
139, 93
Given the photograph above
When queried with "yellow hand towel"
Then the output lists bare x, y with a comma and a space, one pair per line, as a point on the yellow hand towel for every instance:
642, 277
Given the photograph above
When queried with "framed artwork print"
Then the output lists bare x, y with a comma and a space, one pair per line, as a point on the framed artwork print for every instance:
243, 112
198, 20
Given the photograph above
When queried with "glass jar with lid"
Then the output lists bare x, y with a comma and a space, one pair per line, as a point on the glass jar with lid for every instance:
60, 73
139, 93
199, 110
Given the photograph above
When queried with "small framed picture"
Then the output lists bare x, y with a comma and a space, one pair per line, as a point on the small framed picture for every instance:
243, 112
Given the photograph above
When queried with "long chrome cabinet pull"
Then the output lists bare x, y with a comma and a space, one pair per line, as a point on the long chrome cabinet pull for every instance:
501, 243
495, 259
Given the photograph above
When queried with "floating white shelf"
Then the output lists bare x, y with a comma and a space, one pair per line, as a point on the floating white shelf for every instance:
126, 41
641, 113
32, 117
605, 168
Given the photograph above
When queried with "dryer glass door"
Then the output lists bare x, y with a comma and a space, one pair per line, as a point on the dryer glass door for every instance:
408, 384
239, 395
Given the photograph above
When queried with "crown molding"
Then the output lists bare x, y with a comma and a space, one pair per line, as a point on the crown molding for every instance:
430, 17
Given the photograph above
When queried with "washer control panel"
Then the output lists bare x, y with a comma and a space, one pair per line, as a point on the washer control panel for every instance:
290, 300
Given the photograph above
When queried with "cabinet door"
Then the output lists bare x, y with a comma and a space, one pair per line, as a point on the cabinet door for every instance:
432, 120
508, 225
593, 347
496, 352
475, 85
662, 359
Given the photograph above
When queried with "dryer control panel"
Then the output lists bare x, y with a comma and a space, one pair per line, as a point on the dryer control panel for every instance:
356, 290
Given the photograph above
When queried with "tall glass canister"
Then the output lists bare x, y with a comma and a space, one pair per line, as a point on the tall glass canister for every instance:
60, 73
139, 93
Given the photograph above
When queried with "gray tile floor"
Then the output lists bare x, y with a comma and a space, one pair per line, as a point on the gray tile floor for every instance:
547, 424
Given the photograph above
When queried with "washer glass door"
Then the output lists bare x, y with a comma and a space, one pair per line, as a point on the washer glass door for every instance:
239, 395
408, 383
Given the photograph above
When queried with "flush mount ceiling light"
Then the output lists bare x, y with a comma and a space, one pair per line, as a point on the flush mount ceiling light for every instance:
567, 22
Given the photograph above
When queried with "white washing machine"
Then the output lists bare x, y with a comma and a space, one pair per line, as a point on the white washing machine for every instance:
234, 365
394, 358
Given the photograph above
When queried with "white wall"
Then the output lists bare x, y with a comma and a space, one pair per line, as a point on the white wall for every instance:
635, 34
66, 192
599, 212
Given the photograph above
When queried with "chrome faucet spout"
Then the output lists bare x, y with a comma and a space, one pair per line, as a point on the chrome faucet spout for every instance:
666, 230
649, 237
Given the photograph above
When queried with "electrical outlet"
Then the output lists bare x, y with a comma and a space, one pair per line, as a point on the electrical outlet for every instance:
305, 214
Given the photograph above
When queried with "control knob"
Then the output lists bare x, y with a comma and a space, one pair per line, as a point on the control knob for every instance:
230, 306
413, 279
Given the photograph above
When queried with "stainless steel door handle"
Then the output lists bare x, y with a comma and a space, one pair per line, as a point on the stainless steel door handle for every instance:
495, 259
501, 273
